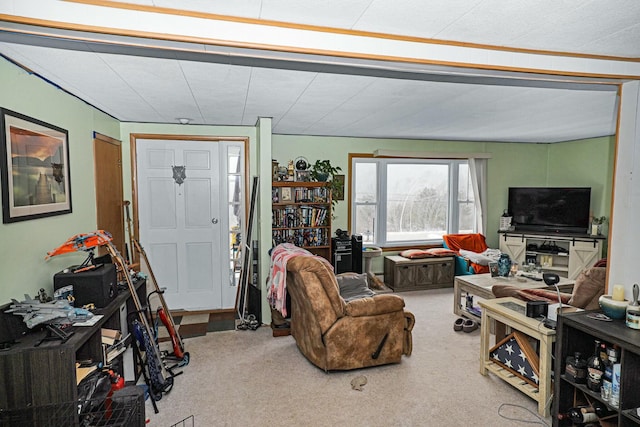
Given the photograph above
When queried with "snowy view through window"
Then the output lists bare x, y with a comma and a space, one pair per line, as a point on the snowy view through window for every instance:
412, 199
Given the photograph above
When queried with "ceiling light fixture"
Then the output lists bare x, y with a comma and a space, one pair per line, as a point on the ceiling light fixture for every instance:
184, 121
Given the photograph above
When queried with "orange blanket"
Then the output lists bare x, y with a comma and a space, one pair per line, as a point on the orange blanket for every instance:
474, 242
471, 242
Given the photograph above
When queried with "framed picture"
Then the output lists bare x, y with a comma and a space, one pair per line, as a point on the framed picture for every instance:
493, 269
338, 192
35, 168
285, 194
304, 176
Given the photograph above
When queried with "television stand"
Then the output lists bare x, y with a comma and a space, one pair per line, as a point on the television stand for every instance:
564, 254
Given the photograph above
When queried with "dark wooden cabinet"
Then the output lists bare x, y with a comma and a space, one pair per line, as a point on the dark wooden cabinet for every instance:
36, 376
577, 333
404, 274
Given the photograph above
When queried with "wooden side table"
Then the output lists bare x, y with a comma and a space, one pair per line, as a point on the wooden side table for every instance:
510, 316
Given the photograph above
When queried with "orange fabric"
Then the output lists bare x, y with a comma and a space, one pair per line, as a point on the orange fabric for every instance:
469, 242
479, 269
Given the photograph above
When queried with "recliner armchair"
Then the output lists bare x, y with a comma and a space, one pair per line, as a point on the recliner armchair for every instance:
337, 335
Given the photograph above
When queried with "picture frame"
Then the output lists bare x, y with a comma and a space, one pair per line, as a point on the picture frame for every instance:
338, 192
303, 176
493, 269
285, 194
36, 180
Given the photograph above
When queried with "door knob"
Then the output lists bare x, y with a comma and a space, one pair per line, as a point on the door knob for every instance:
214, 220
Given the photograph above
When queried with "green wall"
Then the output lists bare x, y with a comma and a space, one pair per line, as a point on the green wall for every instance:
586, 163
23, 245
589, 163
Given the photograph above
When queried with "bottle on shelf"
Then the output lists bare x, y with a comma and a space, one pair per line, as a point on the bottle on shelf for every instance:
613, 353
607, 375
576, 368
579, 414
595, 369
601, 409
615, 385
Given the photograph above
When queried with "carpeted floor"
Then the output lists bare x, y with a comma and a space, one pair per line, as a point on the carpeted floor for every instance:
244, 378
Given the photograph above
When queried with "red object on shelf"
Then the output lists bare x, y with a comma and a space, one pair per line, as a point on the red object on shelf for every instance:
117, 382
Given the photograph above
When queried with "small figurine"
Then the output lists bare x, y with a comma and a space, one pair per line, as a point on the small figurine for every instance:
43, 297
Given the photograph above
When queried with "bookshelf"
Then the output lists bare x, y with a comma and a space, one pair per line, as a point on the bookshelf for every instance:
48, 374
301, 214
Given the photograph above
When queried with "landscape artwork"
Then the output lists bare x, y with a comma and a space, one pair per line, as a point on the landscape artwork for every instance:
35, 182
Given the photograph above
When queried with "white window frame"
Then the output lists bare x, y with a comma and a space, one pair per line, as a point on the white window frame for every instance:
379, 231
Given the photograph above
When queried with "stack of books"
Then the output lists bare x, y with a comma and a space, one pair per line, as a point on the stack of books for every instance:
113, 344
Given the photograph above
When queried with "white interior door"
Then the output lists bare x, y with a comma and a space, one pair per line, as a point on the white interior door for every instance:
183, 225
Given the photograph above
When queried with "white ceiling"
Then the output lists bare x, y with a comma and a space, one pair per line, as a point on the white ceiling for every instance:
306, 95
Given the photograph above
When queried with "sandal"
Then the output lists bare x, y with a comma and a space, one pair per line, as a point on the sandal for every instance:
457, 325
470, 325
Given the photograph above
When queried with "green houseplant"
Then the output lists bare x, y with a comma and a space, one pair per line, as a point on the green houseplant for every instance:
323, 171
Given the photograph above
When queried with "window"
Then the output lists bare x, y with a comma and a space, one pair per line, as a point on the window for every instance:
235, 208
401, 202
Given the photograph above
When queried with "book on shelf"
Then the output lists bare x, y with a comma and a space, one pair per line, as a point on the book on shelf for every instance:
113, 344
83, 371
110, 336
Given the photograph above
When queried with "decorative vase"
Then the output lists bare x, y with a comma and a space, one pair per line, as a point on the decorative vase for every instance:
615, 309
504, 265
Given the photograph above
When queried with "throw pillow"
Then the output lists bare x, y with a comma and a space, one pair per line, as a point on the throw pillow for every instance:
416, 253
588, 288
441, 252
501, 291
353, 286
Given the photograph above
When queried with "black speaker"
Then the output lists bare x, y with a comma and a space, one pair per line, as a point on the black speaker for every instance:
537, 309
356, 253
97, 285
341, 255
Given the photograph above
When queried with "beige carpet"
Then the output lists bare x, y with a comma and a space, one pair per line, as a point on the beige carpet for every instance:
246, 378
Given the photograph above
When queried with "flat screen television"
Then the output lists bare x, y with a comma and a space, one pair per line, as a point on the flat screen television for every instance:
550, 209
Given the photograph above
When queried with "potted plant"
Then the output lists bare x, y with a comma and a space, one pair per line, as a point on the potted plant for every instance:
322, 170
596, 225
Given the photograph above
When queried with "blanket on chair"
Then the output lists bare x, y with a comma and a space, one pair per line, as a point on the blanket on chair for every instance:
277, 280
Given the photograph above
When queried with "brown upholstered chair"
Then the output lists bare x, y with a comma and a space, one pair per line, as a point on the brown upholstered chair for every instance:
588, 288
338, 335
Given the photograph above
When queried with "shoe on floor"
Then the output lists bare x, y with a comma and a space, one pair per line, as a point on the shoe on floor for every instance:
457, 325
470, 325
